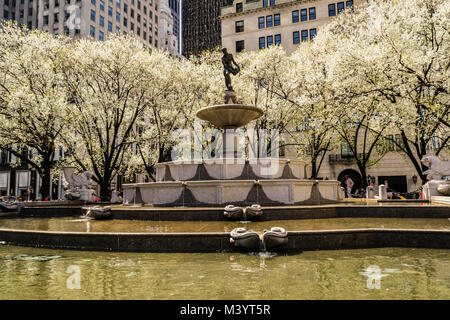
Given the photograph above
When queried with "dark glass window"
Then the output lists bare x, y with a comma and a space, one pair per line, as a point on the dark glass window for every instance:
303, 15
239, 7
92, 15
262, 42
109, 26
312, 33
278, 39
312, 13
110, 11
265, 3
261, 23
102, 21
272, 2
331, 10
304, 35
340, 7
269, 41
239, 45
276, 19
295, 16
349, 4
296, 37
239, 26
269, 21
100, 36
92, 31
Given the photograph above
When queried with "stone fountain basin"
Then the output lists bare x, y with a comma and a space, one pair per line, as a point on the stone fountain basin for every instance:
230, 116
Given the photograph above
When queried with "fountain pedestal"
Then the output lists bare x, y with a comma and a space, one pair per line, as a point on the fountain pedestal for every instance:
229, 178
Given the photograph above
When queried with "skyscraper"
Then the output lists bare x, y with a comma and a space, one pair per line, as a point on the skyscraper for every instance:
94, 18
175, 7
201, 25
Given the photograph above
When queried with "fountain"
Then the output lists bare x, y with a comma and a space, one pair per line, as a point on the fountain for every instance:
230, 179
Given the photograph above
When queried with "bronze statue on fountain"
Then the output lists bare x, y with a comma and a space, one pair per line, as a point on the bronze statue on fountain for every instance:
229, 67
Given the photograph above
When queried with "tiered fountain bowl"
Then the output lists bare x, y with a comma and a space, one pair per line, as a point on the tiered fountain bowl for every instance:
231, 179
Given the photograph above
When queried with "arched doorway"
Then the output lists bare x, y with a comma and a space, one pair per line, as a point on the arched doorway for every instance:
354, 175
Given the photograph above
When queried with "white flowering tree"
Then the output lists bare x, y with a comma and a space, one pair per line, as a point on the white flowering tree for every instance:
111, 85
32, 99
396, 54
182, 88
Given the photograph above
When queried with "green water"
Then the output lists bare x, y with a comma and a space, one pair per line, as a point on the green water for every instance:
75, 224
29, 273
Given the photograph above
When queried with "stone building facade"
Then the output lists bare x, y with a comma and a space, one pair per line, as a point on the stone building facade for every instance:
258, 24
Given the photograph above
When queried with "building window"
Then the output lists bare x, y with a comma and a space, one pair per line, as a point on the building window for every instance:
340, 7
346, 151
331, 10
399, 142
102, 5
118, 16
125, 8
239, 7
312, 33
296, 37
93, 2
100, 35
239, 26
125, 22
269, 21
118, 3
102, 21
110, 11
312, 13
239, 45
117, 29
304, 35
276, 19
278, 39
303, 15
45, 20
262, 42
261, 23
295, 16
109, 26
349, 4
390, 142
269, 41
92, 31
92, 15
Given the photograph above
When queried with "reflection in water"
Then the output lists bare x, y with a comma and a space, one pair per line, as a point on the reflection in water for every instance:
405, 274
86, 225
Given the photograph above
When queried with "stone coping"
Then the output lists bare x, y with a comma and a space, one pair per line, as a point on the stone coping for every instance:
283, 212
219, 242
269, 213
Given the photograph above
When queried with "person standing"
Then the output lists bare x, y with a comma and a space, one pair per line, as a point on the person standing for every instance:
349, 183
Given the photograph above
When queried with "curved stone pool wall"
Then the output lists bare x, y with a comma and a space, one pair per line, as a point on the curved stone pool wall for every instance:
220, 242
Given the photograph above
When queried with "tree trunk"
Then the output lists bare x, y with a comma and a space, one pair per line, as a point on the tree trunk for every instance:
313, 167
362, 170
105, 190
46, 178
